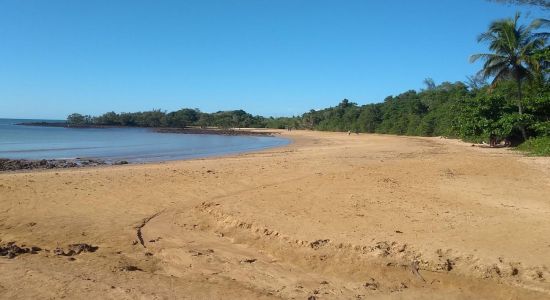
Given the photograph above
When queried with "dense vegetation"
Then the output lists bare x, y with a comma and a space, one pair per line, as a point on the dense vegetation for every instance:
449, 109
178, 119
514, 106
537, 146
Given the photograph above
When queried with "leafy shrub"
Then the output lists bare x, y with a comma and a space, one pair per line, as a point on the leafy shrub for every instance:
536, 146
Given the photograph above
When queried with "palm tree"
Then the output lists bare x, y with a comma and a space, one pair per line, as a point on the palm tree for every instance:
513, 58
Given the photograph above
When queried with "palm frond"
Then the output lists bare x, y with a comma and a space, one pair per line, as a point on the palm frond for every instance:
502, 76
538, 23
514, 50
484, 56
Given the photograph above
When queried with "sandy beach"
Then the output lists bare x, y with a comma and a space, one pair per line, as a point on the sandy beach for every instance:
330, 216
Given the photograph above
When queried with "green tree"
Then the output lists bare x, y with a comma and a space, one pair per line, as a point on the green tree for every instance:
430, 83
182, 118
513, 49
77, 119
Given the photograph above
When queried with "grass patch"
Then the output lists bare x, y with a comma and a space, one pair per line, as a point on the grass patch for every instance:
536, 146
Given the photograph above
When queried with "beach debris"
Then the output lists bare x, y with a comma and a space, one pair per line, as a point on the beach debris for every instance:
415, 270
449, 265
449, 172
142, 224
11, 250
371, 284
75, 249
389, 180
201, 252
248, 261
319, 243
384, 248
402, 248
78, 248
398, 288
130, 268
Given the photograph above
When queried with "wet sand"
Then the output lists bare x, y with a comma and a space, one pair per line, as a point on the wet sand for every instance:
330, 216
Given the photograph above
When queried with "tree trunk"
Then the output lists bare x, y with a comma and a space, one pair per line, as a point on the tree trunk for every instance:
520, 111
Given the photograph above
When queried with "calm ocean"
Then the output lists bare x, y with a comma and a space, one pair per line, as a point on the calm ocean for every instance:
112, 144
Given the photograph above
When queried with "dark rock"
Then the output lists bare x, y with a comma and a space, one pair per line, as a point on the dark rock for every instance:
372, 284
78, 248
130, 268
75, 249
11, 250
319, 243
23, 164
249, 260
58, 251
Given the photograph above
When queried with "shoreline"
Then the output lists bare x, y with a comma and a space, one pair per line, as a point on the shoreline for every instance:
349, 215
15, 165
186, 130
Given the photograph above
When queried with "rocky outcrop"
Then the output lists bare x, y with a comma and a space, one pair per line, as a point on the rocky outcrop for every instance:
216, 131
24, 164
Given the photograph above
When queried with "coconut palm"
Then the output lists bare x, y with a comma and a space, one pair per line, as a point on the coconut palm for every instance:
514, 47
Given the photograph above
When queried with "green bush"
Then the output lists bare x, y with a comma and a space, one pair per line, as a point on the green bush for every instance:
536, 146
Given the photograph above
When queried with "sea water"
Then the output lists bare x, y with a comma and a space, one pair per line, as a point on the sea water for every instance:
115, 144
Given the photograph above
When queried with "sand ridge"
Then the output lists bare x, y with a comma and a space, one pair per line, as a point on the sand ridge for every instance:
329, 216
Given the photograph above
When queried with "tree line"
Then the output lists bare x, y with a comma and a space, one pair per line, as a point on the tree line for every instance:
177, 119
514, 106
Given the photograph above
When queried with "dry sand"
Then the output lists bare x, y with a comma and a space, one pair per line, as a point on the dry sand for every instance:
330, 216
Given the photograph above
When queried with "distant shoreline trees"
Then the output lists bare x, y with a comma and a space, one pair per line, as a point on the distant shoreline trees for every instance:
177, 119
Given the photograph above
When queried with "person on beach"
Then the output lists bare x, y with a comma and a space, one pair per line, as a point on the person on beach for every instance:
492, 140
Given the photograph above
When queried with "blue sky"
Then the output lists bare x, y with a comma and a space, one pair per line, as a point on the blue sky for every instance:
268, 57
